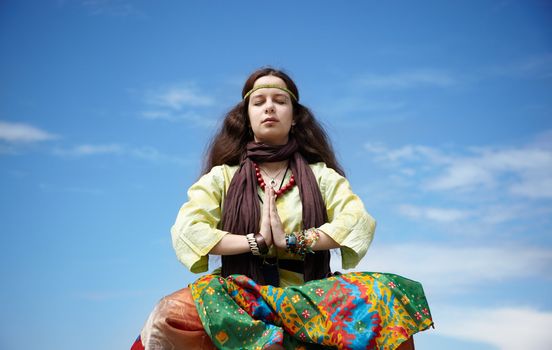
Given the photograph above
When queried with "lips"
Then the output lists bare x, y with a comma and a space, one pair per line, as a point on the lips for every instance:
270, 120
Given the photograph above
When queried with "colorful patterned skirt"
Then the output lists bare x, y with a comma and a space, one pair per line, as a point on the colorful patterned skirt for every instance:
363, 310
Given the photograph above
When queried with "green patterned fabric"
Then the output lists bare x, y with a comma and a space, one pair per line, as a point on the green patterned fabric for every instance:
364, 310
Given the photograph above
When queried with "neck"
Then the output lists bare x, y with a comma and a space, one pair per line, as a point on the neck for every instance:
274, 166
272, 142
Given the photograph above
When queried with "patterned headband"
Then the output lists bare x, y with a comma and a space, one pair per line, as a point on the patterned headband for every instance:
270, 86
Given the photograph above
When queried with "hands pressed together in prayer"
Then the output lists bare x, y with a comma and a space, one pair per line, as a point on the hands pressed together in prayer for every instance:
271, 227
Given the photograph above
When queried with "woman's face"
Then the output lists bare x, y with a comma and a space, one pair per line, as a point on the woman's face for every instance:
270, 112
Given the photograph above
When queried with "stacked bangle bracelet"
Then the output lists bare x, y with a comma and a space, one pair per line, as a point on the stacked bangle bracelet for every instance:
261, 244
257, 244
252, 244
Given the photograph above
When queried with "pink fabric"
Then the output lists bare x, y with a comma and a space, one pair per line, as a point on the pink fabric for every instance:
174, 324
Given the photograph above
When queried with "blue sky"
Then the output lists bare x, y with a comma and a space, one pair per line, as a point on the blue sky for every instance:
440, 112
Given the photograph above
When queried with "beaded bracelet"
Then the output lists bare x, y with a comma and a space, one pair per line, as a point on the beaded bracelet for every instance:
301, 242
291, 241
295, 243
312, 236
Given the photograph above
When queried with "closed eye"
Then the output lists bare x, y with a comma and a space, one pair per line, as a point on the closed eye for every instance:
258, 102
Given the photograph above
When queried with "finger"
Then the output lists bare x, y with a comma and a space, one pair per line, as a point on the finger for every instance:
265, 215
273, 208
266, 201
272, 199
275, 220
276, 225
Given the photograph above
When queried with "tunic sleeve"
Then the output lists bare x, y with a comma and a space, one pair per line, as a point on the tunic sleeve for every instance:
196, 231
348, 222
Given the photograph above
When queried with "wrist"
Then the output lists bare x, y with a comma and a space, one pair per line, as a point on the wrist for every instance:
281, 242
267, 238
261, 243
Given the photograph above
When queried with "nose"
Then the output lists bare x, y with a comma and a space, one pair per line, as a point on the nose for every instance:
269, 107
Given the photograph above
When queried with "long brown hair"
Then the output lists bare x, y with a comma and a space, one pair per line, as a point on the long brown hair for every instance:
229, 143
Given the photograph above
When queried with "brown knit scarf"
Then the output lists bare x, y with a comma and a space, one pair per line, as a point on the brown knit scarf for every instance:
241, 213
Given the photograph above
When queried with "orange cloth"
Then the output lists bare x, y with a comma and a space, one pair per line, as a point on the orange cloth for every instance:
176, 324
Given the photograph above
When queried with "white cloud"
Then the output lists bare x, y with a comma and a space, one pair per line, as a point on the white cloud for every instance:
154, 155
531, 166
507, 328
176, 98
355, 104
463, 174
22, 133
408, 153
410, 79
476, 219
496, 214
524, 171
159, 115
446, 270
179, 104
543, 140
89, 150
171, 116
539, 187
145, 152
433, 213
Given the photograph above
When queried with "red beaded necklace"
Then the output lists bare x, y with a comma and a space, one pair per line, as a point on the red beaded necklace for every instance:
279, 192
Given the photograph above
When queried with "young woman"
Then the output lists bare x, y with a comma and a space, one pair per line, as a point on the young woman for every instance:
272, 202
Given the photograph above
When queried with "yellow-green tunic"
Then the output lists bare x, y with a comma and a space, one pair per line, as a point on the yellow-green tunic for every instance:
197, 227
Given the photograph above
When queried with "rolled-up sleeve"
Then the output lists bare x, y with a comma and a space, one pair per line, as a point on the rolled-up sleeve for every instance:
349, 224
196, 231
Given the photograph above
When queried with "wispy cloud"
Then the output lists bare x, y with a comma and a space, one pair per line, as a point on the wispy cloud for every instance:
357, 111
8, 149
349, 104
523, 171
488, 215
446, 270
433, 213
144, 152
18, 133
116, 8
171, 116
178, 97
154, 155
89, 150
46, 187
408, 153
531, 167
408, 79
179, 103
507, 328
532, 67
